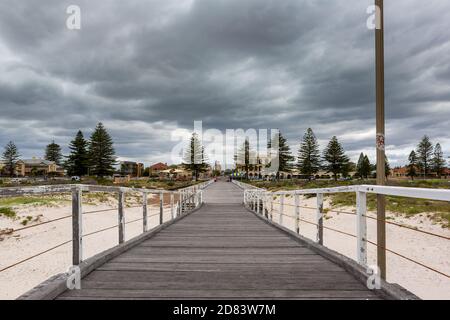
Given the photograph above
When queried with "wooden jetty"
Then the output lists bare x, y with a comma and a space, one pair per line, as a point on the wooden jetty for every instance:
219, 251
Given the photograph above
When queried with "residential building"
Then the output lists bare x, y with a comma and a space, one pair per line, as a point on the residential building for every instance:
399, 172
131, 168
178, 173
118, 179
181, 173
38, 167
255, 170
156, 168
402, 173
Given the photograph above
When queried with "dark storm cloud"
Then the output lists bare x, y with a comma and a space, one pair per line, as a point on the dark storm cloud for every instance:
158, 65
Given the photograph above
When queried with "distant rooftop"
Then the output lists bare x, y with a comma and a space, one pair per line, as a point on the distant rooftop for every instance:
159, 166
36, 161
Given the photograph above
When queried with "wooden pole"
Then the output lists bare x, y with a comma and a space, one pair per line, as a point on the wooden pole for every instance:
380, 138
77, 227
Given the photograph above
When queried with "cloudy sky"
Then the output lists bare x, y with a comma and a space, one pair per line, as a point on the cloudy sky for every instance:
149, 68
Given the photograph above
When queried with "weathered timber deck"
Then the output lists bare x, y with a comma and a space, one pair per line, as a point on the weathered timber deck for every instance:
221, 251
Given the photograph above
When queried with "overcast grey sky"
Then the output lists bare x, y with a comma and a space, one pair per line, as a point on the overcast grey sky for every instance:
148, 67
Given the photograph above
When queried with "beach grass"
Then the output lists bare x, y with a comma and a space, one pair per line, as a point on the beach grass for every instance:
24, 200
7, 212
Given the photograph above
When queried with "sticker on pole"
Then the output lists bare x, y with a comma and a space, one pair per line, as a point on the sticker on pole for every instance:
380, 141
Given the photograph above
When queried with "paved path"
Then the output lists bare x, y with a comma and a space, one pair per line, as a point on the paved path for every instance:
221, 251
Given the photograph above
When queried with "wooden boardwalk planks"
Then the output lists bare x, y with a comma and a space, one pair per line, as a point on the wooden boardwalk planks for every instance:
221, 251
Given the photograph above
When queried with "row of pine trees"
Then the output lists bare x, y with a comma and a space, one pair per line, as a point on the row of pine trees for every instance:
95, 156
426, 158
310, 160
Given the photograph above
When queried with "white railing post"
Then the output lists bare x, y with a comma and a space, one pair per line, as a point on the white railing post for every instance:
185, 200
361, 227
271, 207
245, 198
297, 213
77, 226
179, 203
195, 195
258, 200
172, 208
161, 208
319, 218
280, 219
121, 216
144, 211
263, 203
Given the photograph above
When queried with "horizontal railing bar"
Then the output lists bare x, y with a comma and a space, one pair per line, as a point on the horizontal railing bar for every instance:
135, 220
409, 259
42, 223
18, 191
315, 191
98, 231
36, 255
99, 211
92, 188
421, 193
31, 190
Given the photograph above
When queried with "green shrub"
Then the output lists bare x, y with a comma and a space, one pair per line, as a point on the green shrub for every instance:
26, 220
7, 212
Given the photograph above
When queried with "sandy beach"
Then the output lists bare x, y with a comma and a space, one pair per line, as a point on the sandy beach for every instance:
427, 249
26, 243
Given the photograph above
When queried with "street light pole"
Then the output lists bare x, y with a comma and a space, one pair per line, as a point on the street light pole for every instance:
380, 137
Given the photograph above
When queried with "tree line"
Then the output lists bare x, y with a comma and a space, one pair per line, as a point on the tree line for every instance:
427, 157
333, 159
95, 156
309, 159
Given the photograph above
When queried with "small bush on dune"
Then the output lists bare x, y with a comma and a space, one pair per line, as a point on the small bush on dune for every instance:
7, 212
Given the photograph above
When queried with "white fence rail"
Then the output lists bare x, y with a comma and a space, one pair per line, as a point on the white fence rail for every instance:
181, 201
262, 202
